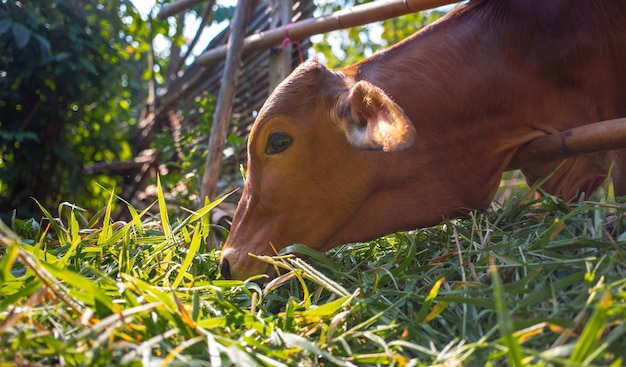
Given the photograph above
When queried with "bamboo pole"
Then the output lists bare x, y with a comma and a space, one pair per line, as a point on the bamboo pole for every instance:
226, 97
132, 163
592, 138
175, 8
358, 15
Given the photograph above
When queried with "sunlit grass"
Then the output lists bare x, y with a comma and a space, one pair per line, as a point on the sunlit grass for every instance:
529, 283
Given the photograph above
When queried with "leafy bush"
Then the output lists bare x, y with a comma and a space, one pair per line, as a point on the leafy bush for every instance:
68, 79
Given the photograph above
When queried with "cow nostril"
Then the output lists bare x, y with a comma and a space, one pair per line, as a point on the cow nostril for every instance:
225, 269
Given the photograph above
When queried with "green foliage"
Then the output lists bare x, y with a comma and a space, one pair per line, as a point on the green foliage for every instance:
397, 29
72, 81
68, 81
537, 284
184, 153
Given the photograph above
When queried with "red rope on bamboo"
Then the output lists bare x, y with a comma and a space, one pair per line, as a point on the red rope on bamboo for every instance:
288, 40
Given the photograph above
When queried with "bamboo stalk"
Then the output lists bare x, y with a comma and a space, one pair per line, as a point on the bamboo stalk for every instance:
358, 15
119, 165
175, 8
592, 138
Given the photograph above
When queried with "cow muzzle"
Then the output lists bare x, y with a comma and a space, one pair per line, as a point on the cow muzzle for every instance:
225, 269
238, 266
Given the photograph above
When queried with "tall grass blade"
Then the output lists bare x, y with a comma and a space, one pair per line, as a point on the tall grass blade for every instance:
82, 288
178, 349
293, 340
191, 252
514, 354
55, 225
200, 214
74, 237
106, 230
588, 340
7, 261
421, 315
165, 221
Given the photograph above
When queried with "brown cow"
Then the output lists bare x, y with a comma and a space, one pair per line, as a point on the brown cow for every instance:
426, 128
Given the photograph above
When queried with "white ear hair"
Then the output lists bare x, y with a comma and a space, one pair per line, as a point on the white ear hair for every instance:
373, 121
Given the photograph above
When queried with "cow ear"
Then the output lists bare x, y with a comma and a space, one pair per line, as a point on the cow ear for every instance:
375, 122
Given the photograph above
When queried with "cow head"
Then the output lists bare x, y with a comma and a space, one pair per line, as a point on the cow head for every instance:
310, 167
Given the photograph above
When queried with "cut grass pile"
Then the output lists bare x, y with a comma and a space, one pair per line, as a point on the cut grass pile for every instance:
519, 285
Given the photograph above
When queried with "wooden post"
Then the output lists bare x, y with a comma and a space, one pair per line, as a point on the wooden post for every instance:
280, 58
226, 97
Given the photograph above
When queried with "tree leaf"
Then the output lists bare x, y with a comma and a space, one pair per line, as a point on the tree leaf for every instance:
44, 45
21, 35
5, 24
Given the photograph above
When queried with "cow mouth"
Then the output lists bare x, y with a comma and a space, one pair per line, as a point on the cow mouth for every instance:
225, 269
270, 272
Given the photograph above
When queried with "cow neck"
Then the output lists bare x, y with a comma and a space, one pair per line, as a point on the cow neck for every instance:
415, 74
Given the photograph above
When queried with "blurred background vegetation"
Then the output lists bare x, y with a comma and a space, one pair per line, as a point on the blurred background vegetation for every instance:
72, 74
78, 76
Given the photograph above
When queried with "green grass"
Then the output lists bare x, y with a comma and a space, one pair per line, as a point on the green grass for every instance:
519, 285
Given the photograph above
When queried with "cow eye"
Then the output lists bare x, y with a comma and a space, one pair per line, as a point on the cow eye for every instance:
278, 142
